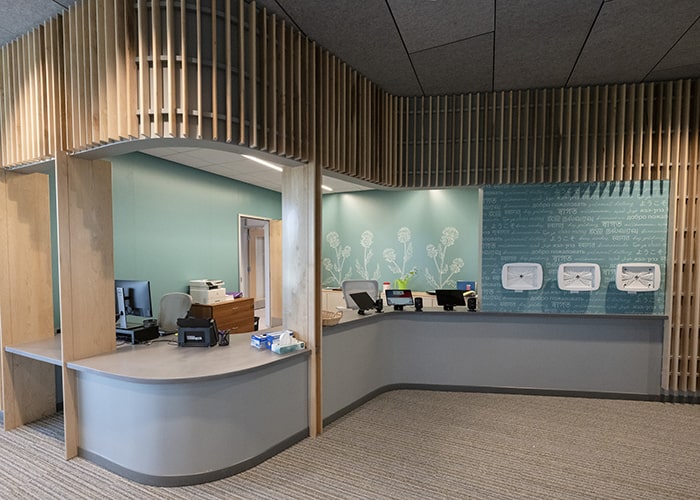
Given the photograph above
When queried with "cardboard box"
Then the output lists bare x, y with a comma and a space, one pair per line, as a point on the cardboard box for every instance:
259, 341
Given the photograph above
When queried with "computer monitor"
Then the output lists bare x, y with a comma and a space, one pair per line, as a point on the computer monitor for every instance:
364, 301
399, 298
132, 298
448, 299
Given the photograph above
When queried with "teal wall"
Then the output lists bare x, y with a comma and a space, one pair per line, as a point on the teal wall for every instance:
551, 224
383, 235
174, 223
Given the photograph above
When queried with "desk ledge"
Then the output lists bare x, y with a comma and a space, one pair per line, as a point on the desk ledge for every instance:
163, 362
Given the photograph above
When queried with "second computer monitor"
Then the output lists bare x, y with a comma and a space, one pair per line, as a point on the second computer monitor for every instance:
132, 298
399, 298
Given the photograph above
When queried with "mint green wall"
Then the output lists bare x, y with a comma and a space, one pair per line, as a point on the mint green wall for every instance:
385, 234
174, 223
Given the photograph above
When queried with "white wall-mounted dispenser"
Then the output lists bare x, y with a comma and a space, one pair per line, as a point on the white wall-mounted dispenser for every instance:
578, 277
636, 277
520, 276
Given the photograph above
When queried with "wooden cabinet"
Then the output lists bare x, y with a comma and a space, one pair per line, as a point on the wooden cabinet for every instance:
234, 315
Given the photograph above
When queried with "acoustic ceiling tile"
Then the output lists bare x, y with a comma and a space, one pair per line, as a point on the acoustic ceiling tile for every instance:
682, 60
361, 33
429, 24
630, 37
537, 41
450, 69
674, 73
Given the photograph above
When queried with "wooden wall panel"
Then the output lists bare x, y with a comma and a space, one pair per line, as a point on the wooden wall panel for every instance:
86, 263
26, 295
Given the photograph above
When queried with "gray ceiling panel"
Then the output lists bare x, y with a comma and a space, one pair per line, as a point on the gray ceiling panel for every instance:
630, 37
537, 41
675, 73
428, 24
361, 33
682, 57
533, 43
451, 68
17, 18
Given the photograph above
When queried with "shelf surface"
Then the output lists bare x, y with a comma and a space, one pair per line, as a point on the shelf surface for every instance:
47, 350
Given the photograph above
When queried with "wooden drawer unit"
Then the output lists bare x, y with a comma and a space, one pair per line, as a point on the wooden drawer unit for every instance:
234, 315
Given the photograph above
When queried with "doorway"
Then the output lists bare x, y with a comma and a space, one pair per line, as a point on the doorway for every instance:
259, 267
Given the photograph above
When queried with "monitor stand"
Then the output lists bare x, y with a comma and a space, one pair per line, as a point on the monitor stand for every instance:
448, 307
398, 308
138, 333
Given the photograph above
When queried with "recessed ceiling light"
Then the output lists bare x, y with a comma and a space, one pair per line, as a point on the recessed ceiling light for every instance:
263, 162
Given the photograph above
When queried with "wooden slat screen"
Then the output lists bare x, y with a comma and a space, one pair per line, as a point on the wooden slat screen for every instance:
97, 58
27, 93
227, 71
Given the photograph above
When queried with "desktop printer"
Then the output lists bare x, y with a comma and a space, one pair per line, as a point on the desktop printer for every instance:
196, 332
207, 291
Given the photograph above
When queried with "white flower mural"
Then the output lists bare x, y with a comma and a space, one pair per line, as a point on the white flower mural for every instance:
336, 268
445, 273
404, 237
366, 240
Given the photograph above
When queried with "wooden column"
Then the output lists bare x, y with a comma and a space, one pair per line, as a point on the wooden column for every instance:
26, 297
86, 269
301, 294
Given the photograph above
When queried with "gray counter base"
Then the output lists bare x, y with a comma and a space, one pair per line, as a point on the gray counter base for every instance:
228, 410
189, 480
595, 356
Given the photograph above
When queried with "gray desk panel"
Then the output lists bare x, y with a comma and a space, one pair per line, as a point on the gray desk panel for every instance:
186, 432
169, 416
597, 354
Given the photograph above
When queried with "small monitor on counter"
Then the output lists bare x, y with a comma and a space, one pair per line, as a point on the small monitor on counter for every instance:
448, 299
364, 301
399, 298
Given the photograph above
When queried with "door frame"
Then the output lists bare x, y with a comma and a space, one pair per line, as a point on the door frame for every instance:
244, 258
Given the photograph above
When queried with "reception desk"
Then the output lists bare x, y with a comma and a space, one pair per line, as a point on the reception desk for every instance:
170, 416
586, 355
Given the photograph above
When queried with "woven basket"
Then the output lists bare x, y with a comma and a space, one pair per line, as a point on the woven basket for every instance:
330, 318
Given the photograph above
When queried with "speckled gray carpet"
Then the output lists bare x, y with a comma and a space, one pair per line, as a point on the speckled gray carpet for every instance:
421, 445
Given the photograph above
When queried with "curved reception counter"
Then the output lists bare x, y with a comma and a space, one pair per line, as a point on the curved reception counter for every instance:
171, 416
166, 415
577, 355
